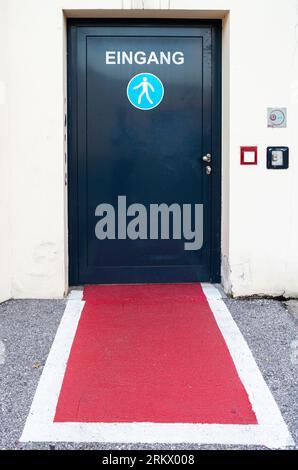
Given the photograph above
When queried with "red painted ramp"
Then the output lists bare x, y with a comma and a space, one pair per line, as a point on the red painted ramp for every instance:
151, 353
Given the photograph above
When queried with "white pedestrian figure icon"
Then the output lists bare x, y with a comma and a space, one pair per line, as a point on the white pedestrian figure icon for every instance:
144, 85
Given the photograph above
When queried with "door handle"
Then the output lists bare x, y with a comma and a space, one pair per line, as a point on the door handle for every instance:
208, 170
207, 158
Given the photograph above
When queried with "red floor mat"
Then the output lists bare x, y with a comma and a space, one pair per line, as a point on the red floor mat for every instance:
150, 353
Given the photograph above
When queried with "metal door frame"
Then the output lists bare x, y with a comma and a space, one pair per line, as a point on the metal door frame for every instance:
72, 155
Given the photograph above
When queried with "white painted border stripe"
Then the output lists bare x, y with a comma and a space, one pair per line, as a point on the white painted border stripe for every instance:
42, 411
271, 430
263, 403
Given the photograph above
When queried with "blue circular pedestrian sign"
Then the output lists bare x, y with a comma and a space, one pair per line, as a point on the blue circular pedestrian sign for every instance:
145, 91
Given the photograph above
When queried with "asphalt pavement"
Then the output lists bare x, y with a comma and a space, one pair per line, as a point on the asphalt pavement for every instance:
28, 327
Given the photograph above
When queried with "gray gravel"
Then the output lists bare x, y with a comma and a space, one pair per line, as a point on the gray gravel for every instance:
28, 327
272, 334
292, 307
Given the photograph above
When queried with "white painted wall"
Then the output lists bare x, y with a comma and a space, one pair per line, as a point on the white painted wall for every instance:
260, 215
5, 167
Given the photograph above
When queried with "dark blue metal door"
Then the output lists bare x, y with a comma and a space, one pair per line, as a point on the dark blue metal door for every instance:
144, 109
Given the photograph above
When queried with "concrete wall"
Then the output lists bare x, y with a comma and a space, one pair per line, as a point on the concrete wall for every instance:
260, 69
